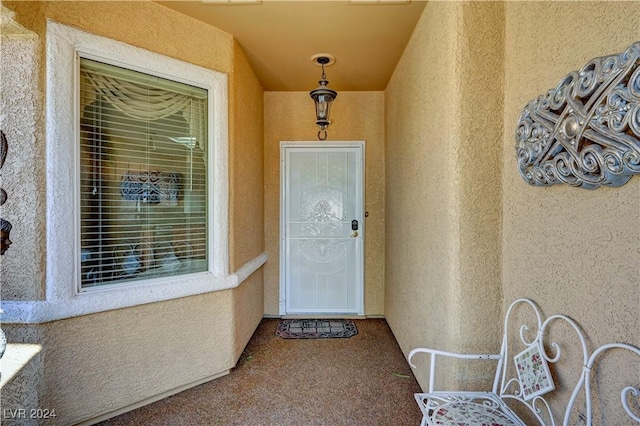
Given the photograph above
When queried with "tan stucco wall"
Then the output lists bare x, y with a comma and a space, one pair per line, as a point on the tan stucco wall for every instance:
246, 198
247, 304
572, 250
246, 162
99, 363
22, 267
355, 116
443, 106
451, 110
418, 157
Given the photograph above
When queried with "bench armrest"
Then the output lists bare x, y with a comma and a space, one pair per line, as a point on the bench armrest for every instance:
435, 352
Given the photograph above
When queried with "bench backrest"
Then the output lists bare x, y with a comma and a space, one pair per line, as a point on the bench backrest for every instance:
531, 360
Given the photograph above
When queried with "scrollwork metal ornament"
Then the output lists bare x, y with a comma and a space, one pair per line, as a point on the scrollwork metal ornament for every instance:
586, 131
5, 225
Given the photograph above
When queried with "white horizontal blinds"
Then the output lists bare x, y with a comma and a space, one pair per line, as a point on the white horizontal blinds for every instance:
143, 175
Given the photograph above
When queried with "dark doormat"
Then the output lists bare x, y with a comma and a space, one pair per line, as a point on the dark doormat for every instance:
316, 328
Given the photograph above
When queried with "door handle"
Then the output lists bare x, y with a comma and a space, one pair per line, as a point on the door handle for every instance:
354, 234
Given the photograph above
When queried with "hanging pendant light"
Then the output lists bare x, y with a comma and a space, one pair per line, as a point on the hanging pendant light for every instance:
323, 96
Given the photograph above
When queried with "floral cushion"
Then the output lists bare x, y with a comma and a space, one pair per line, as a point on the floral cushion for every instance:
470, 414
465, 409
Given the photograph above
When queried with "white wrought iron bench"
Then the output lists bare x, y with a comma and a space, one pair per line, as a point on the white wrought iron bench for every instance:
522, 387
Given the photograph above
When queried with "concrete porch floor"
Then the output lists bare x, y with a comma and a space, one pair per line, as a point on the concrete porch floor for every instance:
360, 380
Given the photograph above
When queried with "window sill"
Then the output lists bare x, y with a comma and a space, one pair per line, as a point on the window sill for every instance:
73, 305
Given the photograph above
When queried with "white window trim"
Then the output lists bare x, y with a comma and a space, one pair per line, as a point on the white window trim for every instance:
62, 174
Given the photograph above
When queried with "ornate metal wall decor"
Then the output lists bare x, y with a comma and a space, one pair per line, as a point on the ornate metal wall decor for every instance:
586, 131
150, 187
5, 225
4, 148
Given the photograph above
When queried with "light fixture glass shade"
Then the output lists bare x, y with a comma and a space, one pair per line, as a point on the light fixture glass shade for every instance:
323, 97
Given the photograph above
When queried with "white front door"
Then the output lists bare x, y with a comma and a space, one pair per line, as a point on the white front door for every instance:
322, 229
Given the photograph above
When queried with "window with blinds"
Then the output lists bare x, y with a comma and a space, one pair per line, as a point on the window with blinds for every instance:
143, 182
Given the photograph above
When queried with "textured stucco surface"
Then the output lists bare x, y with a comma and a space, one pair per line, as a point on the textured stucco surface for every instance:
477, 163
143, 24
21, 384
246, 163
483, 237
572, 250
22, 177
247, 304
443, 106
418, 155
462, 230
99, 363
355, 116
246, 198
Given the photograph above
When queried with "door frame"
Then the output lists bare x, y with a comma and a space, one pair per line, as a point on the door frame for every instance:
283, 187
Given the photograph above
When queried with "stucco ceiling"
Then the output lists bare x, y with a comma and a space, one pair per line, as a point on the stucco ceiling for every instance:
280, 37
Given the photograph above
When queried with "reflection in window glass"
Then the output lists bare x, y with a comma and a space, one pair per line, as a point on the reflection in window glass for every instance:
143, 176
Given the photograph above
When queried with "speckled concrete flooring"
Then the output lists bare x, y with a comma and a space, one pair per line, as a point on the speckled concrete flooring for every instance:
362, 380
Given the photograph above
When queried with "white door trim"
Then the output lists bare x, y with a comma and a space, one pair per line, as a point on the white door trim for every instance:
282, 264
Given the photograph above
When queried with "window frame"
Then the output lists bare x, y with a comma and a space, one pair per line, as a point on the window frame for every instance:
81, 54
63, 298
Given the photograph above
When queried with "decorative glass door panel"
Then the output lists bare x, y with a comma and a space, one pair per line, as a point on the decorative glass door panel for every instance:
322, 228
